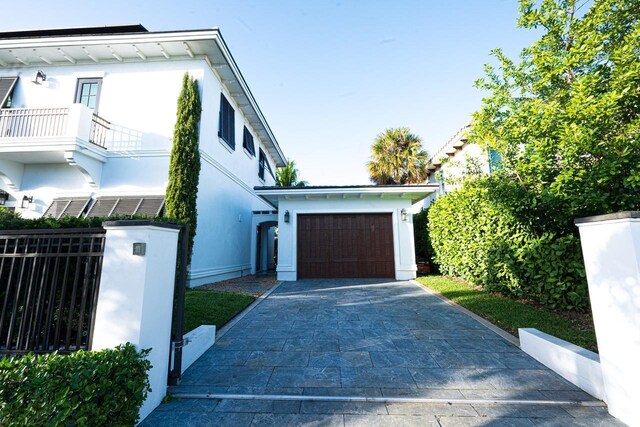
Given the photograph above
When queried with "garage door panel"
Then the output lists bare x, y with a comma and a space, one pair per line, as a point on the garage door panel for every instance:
345, 245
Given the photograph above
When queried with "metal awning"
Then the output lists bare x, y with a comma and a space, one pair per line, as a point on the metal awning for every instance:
6, 88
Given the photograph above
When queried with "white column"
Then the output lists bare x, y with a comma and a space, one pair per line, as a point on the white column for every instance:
135, 300
611, 249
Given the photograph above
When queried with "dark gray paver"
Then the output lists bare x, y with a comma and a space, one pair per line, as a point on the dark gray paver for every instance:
368, 338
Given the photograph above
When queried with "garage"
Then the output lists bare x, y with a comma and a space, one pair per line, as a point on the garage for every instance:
345, 245
346, 231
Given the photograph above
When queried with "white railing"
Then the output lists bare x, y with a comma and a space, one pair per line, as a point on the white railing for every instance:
75, 121
33, 122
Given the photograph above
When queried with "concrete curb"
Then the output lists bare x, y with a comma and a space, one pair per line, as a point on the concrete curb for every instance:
231, 323
504, 334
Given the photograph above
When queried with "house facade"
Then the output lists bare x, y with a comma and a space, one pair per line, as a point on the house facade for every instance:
86, 124
456, 159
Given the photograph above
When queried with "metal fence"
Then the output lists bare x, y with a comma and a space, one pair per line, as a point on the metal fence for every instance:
33, 122
49, 282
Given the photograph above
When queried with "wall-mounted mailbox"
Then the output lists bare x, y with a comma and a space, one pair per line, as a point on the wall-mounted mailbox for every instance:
139, 248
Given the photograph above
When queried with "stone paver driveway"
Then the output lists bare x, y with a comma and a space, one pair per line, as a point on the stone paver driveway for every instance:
365, 338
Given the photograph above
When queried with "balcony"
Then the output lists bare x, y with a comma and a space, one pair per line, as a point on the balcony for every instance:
72, 135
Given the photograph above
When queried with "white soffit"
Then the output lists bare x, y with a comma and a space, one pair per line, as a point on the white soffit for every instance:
414, 193
43, 52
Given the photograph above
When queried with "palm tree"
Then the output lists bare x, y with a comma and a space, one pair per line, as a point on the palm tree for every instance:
397, 157
287, 176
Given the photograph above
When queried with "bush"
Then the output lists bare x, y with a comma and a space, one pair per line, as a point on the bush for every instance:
496, 234
422, 242
81, 388
10, 220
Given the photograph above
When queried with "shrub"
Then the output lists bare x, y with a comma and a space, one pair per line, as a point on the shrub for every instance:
495, 234
10, 220
81, 388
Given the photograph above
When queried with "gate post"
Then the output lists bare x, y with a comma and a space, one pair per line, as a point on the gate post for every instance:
135, 300
611, 249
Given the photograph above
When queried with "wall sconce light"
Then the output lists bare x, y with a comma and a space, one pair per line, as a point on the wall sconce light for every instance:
39, 77
403, 214
26, 201
4, 196
287, 217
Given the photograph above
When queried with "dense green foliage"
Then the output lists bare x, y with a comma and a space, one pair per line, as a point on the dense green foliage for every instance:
397, 157
82, 388
493, 233
12, 221
184, 166
204, 307
565, 121
565, 118
287, 176
510, 314
422, 242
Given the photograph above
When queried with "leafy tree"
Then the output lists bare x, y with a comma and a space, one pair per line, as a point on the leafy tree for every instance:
565, 117
397, 157
287, 176
184, 166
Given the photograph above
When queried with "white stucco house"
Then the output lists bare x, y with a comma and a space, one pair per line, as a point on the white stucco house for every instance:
86, 124
455, 159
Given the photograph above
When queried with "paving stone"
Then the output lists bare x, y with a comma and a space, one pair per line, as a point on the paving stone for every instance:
334, 334
223, 358
287, 391
468, 360
518, 361
377, 377
482, 345
295, 420
347, 359
579, 422
269, 406
423, 393
485, 422
431, 409
264, 344
366, 344
188, 405
228, 376
196, 419
451, 378
390, 421
402, 359
521, 411
318, 407
311, 345
278, 358
503, 394
527, 379
305, 377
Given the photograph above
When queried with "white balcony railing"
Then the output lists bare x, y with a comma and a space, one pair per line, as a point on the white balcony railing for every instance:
74, 121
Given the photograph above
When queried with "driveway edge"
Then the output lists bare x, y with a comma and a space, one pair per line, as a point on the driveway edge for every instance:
230, 324
504, 334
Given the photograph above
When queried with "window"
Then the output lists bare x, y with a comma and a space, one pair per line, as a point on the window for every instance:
226, 125
74, 206
88, 92
132, 205
247, 142
7, 84
495, 161
263, 164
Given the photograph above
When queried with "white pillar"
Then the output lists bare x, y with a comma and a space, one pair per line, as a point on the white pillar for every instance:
135, 300
611, 249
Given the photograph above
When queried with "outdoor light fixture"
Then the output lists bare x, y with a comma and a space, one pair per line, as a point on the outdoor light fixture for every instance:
403, 213
287, 217
4, 196
39, 77
26, 201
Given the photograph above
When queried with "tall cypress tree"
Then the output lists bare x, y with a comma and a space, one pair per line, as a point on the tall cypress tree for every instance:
184, 166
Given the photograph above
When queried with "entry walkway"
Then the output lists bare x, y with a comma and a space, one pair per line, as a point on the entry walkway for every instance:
365, 352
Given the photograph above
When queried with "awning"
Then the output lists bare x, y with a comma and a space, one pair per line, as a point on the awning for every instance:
70, 206
130, 205
6, 88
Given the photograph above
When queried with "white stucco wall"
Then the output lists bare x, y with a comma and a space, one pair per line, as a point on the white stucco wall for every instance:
140, 99
403, 246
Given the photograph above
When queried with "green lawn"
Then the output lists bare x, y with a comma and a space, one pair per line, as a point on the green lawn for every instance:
510, 314
212, 307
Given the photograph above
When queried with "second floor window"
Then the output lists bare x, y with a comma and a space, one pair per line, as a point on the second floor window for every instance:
88, 92
226, 124
247, 142
263, 165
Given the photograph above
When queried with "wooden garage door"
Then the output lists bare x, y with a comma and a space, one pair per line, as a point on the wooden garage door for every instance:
345, 245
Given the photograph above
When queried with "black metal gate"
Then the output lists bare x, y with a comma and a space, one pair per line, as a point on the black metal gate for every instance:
49, 282
177, 324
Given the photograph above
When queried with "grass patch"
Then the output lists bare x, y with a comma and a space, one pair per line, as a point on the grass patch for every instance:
510, 314
212, 307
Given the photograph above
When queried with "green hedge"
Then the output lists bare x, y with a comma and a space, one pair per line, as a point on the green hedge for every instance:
10, 220
495, 234
82, 388
424, 249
